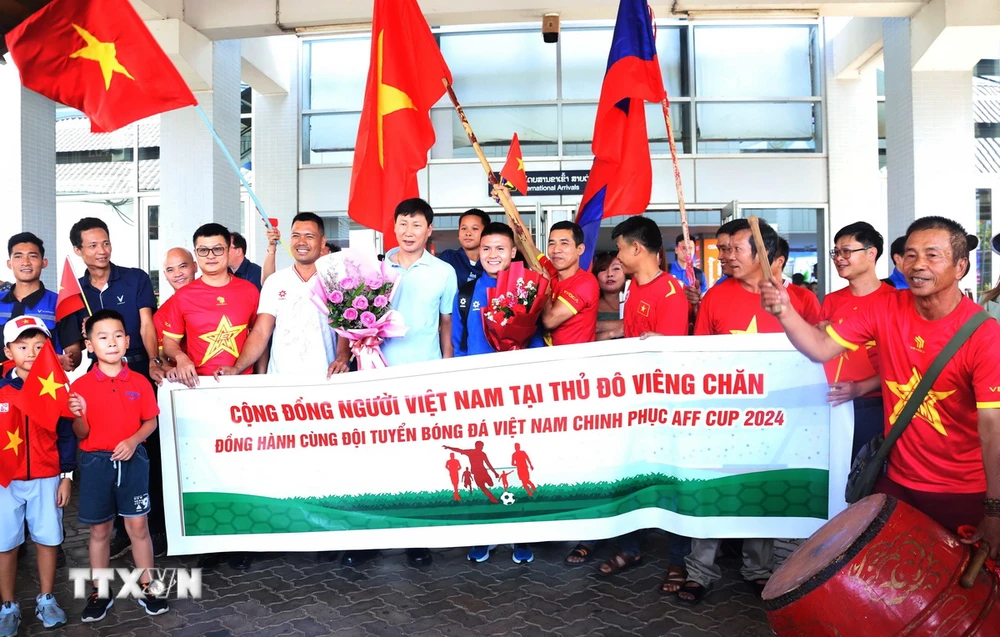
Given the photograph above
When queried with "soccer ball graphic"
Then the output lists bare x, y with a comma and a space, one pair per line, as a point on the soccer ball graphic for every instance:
157, 588
507, 498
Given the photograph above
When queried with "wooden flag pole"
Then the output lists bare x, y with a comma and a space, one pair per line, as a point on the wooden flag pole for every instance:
522, 239
680, 195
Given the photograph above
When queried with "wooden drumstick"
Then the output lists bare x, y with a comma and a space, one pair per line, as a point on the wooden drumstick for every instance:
758, 240
975, 565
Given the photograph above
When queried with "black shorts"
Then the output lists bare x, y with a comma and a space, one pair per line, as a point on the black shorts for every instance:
113, 487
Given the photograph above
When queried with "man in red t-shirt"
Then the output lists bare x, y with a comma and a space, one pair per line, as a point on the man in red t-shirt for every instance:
213, 315
655, 302
854, 374
570, 315
948, 458
733, 307
179, 269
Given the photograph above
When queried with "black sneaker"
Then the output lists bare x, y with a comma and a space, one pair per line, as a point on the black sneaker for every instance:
120, 545
97, 608
159, 544
154, 605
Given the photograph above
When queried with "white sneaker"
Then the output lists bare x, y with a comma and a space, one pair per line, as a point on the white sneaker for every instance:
10, 619
48, 612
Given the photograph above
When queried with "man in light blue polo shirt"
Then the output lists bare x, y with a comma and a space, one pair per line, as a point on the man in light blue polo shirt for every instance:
424, 296
426, 290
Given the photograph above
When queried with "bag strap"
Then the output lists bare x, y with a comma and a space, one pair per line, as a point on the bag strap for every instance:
917, 397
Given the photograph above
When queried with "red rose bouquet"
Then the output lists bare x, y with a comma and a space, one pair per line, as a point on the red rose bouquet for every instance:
510, 318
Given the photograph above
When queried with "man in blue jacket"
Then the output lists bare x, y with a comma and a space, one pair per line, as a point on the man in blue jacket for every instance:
496, 250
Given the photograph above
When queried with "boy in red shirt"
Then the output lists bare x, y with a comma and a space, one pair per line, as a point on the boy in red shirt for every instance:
655, 301
39, 487
115, 412
571, 313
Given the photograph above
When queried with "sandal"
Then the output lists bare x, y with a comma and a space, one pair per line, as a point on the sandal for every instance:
757, 586
620, 562
582, 551
696, 591
675, 579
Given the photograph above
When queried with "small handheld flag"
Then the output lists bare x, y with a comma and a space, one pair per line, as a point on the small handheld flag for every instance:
71, 298
513, 174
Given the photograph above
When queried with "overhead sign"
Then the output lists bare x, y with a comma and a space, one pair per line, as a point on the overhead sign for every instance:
553, 182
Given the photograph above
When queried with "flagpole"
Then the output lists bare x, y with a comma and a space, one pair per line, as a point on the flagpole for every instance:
521, 237
680, 193
239, 173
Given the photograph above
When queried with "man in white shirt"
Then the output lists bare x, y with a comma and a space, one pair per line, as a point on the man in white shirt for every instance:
303, 342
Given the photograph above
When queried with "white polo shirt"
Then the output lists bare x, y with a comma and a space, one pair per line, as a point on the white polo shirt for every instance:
303, 342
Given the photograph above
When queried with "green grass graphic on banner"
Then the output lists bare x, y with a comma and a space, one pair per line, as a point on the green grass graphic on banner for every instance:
780, 493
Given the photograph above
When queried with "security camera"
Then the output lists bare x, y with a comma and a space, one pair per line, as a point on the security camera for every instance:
550, 28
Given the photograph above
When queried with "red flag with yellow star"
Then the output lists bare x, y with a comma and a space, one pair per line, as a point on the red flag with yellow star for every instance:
97, 56
513, 171
45, 396
70, 298
13, 448
404, 81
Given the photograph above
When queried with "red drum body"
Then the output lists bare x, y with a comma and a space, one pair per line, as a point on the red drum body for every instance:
881, 568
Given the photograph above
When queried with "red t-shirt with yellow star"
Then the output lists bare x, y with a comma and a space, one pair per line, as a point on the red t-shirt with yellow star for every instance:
658, 306
940, 450
728, 308
852, 366
808, 304
212, 321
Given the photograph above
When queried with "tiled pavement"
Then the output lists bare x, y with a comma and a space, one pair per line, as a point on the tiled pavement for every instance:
296, 594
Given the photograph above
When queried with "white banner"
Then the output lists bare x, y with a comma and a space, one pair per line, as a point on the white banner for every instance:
724, 436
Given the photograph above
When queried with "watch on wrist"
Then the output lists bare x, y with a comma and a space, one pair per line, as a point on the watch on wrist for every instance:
66, 475
156, 359
992, 507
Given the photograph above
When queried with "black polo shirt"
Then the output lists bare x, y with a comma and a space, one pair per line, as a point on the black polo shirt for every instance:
128, 290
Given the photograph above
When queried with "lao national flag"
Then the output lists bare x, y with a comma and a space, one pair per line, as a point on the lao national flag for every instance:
621, 178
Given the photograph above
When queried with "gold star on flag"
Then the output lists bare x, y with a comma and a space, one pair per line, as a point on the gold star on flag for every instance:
49, 386
104, 53
14, 438
223, 339
520, 164
928, 410
390, 100
751, 329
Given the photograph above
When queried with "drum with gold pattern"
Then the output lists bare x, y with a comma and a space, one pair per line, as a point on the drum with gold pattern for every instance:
881, 568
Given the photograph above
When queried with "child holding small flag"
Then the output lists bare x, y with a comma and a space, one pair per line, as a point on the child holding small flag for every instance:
36, 473
115, 412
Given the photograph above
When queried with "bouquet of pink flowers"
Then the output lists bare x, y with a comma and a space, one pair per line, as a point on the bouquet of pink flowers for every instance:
356, 290
513, 307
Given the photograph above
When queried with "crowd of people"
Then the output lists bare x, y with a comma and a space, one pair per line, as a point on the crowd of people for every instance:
227, 316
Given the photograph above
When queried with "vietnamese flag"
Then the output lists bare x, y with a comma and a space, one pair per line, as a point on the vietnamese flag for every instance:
70, 293
13, 447
45, 396
97, 56
513, 171
395, 134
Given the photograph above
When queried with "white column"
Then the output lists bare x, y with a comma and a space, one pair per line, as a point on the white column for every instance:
28, 179
930, 142
197, 183
852, 149
275, 152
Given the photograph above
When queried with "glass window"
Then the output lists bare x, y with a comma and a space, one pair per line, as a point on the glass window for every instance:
338, 73
329, 138
585, 60
578, 128
508, 66
536, 128
773, 61
748, 127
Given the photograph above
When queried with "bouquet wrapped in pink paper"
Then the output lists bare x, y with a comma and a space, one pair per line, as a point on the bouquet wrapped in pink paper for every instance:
510, 318
355, 290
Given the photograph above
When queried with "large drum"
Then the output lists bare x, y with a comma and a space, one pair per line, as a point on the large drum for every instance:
881, 568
